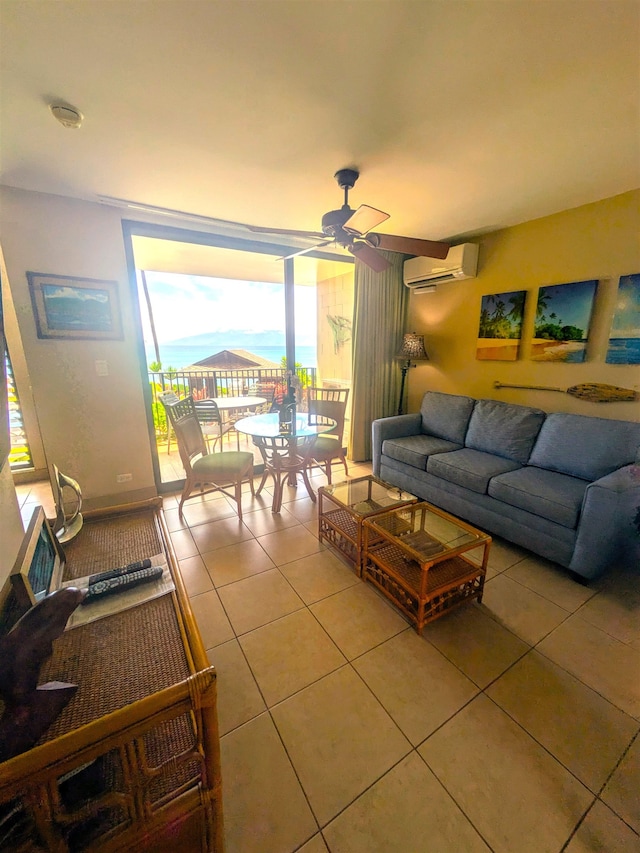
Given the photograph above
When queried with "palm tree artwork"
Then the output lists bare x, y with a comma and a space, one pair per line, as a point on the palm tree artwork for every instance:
563, 315
501, 326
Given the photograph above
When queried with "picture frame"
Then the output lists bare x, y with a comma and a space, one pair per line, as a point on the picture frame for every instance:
74, 308
500, 325
624, 337
563, 318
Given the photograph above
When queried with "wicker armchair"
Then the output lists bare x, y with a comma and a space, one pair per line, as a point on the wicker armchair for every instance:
328, 403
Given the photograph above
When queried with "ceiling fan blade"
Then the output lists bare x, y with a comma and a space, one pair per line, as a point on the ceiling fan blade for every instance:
364, 219
409, 245
263, 230
369, 256
304, 251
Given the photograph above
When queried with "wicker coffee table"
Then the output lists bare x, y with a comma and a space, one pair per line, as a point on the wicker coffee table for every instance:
417, 556
343, 507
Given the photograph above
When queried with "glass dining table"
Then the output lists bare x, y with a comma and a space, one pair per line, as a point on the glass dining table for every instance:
286, 450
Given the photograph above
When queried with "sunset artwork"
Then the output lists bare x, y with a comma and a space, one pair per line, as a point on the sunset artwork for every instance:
500, 326
563, 315
624, 339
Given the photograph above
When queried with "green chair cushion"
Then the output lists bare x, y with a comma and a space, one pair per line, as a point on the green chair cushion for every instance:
227, 463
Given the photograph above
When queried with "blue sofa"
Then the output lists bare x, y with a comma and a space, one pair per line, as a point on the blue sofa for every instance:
564, 486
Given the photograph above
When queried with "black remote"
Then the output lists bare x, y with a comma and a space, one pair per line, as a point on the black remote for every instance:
122, 583
123, 570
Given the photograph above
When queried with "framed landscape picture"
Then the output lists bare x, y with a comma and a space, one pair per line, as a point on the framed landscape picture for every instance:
624, 339
75, 308
500, 326
563, 316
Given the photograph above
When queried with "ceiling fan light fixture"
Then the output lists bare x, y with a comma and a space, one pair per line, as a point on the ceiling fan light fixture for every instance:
68, 116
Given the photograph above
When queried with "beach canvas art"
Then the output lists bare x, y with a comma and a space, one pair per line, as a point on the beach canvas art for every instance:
500, 326
563, 315
624, 340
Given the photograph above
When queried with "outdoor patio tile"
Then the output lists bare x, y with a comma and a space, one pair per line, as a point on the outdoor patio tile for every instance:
257, 600
290, 544
542, 697
528, 803
289, 654
260, 787
340, 740
521, 610
551, 582
183, 544
219, 534
195, 576
405, 805
357, 619
234, 562
609, 667
239, 698
214, 625
602, 831
417, 685
476, 643
319, 575
621, 791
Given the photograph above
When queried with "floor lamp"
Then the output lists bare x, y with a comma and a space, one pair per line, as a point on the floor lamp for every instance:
412, 350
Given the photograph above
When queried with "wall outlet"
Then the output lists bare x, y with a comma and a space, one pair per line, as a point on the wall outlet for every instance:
124, 478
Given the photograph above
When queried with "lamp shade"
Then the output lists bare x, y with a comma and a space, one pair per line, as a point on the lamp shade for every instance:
413, 348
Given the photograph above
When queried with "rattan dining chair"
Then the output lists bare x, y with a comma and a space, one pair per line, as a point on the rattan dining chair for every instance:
328, 403
283, 457
219, 470
214, 427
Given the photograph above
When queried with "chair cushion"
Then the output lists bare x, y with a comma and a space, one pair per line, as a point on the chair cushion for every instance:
415, 449
548, 494
504, 429
326, 447
446, 415
585, 447
229, 464
468, 468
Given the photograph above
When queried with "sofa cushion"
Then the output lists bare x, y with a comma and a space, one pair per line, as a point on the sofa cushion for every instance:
469, 468
415, 449
504, 429
446, 415
557, 497
584, 446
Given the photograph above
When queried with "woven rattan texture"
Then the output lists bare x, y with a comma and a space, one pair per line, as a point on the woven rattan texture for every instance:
441, 575
114, 661
106, 543
343, 519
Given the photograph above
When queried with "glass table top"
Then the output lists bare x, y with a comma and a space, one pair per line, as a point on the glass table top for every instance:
368, 494
268, 426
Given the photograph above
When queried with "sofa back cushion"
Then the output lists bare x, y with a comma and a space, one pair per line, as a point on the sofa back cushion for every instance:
585, 447
446, 415
504, 429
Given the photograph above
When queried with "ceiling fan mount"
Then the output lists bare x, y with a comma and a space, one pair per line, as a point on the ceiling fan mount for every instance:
352, 229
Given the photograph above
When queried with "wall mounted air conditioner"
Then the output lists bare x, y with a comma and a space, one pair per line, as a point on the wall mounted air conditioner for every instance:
422, 274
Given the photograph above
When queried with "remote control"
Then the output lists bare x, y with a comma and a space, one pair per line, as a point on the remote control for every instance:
122, 583
123, 570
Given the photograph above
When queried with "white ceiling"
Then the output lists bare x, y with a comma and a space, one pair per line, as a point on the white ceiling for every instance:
462, 116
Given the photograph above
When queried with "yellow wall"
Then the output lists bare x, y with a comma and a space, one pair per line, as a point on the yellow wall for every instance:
596, 241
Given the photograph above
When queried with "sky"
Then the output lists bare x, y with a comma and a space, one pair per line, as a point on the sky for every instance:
185, 305
571, 303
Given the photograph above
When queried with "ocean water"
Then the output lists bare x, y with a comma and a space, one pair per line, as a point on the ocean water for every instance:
184, 356
623, 351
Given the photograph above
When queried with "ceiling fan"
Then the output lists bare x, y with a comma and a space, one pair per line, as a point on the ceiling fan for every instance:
351, 229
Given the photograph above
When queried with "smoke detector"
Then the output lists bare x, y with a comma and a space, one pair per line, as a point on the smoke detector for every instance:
66, 115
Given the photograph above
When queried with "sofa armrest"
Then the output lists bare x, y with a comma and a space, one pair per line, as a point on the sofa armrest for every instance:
607, 531
395, 427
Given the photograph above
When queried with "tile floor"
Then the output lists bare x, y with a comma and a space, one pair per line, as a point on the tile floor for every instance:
508, 726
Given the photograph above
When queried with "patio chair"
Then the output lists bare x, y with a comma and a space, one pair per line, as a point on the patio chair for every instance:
217, 470
328, 403
168, 397
214, 427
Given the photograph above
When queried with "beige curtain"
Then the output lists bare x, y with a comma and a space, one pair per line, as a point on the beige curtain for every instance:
379, 314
